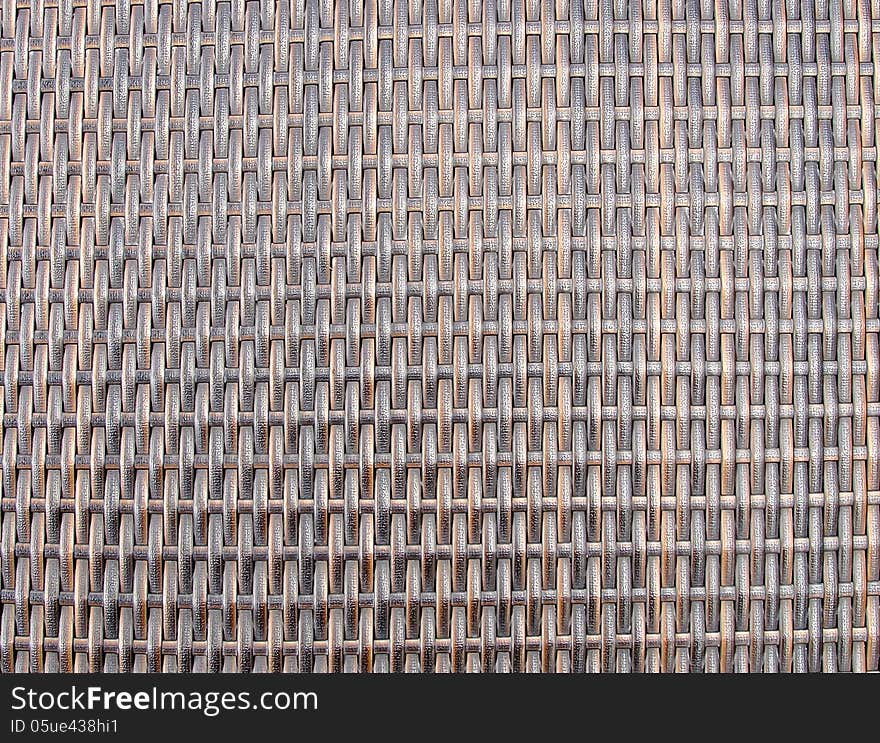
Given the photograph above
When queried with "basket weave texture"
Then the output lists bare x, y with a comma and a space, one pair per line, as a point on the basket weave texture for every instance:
498, 335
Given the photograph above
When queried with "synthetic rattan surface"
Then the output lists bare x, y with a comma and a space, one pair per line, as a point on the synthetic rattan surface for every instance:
488, 335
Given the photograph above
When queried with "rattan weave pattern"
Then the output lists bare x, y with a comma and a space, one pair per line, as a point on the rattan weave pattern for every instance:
505, 335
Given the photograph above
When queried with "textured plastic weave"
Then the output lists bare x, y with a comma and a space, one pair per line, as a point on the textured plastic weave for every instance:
444, 335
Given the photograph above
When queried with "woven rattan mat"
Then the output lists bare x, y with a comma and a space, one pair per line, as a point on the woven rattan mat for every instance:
496, 335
